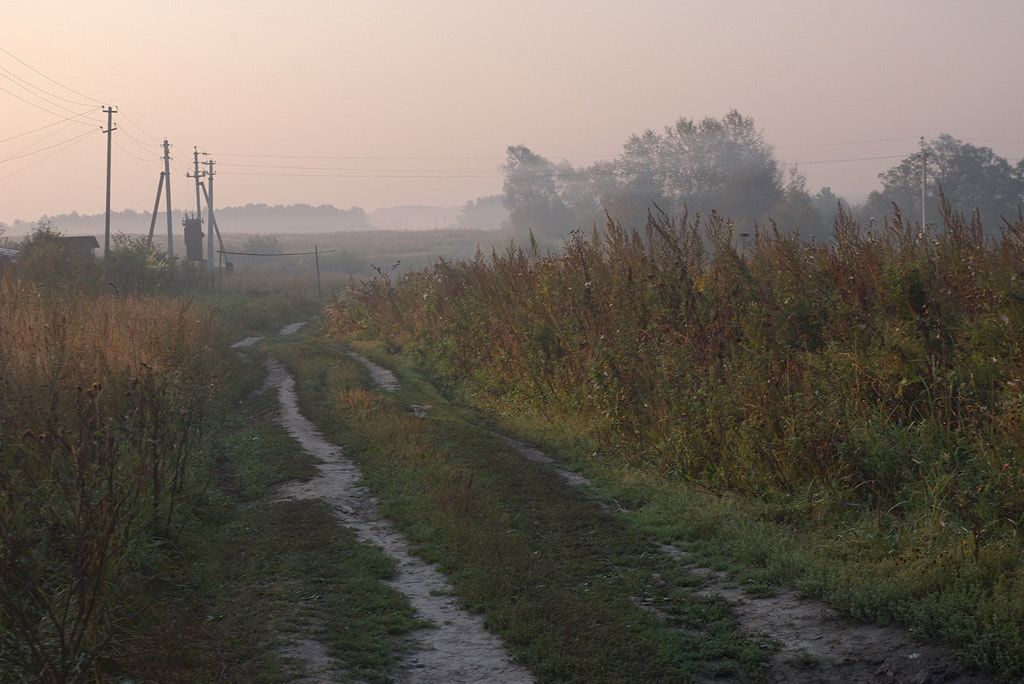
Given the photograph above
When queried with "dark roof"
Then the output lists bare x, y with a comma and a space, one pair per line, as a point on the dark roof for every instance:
81, 242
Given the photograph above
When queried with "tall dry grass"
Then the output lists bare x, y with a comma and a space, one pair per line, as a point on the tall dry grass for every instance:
869, 390
884, 369
102, 406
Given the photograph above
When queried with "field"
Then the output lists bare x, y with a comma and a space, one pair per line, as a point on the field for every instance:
104, 404
860, 400
842, 419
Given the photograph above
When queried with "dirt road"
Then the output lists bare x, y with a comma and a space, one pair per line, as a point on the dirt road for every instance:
814, 643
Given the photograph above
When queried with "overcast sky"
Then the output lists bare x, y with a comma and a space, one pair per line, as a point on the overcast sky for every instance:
376, 103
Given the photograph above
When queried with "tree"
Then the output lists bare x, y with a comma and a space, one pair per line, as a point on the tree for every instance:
531, 194
723, 165
135, 265
796, 211
44, 257
971, 179
828, 205
483, 213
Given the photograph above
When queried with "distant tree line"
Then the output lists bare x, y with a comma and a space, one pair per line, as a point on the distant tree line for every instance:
251, 218
972, 179
726, 166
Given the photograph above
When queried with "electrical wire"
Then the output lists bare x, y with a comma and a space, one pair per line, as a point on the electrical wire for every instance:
337, 168
29, 66
144, 146
844, 161
35, 91
36, 130
461, 175
37, 106
67, 144
25, 153
837, 144
139, 128
132, 154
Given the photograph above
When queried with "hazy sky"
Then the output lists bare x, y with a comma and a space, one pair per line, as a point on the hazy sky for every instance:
376, 103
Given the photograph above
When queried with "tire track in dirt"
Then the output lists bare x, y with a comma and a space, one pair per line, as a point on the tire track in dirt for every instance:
459, 650
813, 642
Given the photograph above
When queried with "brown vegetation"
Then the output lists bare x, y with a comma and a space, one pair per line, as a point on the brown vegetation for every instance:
874, 379
102, 402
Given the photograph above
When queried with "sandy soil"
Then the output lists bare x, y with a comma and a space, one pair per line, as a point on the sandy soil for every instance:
814, 643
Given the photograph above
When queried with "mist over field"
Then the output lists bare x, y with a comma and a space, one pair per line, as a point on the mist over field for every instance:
688, 306
486, 214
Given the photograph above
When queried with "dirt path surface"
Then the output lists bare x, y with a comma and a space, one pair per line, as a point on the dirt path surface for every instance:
814, 643
817, 644
459, 650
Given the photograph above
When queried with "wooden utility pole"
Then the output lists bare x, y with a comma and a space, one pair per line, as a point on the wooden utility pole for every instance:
170, 223
110, 129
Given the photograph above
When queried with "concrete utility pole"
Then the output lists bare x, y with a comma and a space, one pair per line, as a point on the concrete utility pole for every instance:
209, 216
170, 223
156, 208
924, 162
110, 129
197, 175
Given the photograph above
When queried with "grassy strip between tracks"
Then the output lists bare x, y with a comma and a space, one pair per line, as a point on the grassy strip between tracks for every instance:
576, 594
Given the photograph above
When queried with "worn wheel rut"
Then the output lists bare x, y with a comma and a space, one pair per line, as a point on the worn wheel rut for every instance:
814, 643
459, 649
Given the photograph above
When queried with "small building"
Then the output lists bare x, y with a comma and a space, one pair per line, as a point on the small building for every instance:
80, 245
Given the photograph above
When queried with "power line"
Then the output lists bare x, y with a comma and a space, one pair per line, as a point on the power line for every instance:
37, 106
36, 90
43, 149
135, 140
376, 158
29, 66
337, 168
36, 130
67, 144
857, 159
403, 158
146, 133
461, 175
837, 144
131, 154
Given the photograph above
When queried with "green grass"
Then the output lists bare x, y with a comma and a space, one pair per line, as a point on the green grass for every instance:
251, 573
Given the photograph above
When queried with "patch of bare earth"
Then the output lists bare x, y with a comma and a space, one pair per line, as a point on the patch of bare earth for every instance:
813, 642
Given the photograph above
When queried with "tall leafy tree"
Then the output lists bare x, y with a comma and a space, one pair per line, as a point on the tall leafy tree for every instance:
717, 164
531, 194
971, 179
796, 212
